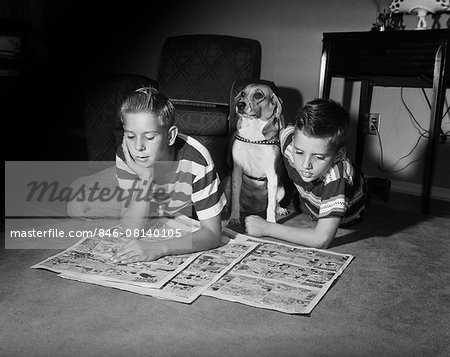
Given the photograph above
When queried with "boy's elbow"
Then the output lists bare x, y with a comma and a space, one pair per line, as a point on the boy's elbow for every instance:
323, 243
211, 231
325, 232
216, 239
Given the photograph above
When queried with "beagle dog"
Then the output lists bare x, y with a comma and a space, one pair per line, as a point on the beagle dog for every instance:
256, 153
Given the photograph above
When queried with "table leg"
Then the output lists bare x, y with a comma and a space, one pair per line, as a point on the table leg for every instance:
365, 100
439, 88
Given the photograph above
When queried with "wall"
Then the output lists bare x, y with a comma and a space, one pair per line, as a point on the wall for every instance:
126, 36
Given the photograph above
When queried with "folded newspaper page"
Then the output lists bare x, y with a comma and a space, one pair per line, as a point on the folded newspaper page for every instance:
190, 283
90, 257
281, 277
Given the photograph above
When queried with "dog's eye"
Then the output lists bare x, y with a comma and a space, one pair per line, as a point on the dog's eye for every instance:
259, 95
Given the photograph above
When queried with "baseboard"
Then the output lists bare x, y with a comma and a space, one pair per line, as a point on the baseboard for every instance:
440, 193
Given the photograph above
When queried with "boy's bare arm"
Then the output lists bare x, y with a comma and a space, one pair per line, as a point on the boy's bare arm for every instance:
135, 215
318, 237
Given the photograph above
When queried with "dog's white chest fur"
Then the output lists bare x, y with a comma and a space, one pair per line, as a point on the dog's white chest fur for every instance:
256, 160
251, 129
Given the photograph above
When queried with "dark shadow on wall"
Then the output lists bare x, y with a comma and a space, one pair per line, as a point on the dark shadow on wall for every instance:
292, 102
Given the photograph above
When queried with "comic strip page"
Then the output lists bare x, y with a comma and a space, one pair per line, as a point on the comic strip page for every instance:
281, 277
190, 283
90, 258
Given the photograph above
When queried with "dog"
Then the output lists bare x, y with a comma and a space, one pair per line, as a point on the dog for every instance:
256, 152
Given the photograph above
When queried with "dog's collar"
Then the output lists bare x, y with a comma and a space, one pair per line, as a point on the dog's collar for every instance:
259, 142
256, 178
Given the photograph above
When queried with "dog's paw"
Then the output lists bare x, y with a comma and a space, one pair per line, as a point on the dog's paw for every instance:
234, 222
282, 211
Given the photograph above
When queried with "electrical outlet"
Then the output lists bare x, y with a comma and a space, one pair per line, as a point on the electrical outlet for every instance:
373, 126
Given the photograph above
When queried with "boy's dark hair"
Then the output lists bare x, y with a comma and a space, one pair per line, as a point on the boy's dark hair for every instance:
324, 118
149, 100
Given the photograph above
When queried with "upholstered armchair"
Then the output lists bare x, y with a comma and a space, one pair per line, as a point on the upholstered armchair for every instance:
197, 73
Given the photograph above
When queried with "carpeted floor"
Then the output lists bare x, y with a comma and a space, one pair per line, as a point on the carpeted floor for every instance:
393, 300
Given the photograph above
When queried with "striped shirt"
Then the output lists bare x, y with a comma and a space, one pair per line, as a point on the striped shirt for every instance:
190, 181
340, 192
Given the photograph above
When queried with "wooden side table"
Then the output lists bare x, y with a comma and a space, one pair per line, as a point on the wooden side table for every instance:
391, 59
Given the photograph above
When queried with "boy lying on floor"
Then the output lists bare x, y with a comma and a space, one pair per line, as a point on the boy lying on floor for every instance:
162, 171
329, 185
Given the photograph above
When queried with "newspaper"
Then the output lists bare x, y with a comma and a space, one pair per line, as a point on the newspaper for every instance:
89, 259
204, 270
257, 272
281, 277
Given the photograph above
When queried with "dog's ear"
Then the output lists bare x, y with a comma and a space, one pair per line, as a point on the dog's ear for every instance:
237, 96
276, 122
279, 110
278, 103
282, 122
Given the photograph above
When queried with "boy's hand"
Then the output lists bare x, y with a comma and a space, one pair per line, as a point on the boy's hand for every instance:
144, 173
137, 251
255, 226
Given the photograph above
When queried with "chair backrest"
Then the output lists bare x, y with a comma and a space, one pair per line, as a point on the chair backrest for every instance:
204, 67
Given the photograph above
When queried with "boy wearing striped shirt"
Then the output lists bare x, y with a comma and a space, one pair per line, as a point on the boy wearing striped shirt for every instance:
164, 172
329, 185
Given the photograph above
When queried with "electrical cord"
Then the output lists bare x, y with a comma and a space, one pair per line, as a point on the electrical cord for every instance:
446, 112
447, 133
382, 166
423, 134
426, 97
422, 131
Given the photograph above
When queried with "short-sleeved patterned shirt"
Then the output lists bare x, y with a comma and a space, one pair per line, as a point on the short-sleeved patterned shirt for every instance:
190, 181
340, 192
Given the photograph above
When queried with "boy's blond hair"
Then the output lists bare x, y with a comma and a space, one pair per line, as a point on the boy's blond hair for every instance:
149, 100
